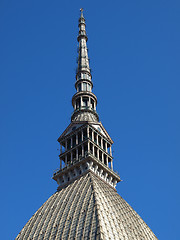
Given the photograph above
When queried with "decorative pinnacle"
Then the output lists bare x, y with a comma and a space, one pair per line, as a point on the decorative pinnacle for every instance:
81, 10
84, 101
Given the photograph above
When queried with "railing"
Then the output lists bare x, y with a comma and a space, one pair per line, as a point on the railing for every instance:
58, 170
80, 158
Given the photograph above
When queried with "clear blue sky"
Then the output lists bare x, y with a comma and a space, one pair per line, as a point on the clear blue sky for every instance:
134, 47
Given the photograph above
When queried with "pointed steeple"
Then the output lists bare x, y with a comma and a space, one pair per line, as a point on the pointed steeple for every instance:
85, 145
84, 101
83, 60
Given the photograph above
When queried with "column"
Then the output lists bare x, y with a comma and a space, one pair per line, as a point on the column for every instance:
82, 150
76, 138
66, 160
111, 164
101, 172
88, 131
60, 149
89, 99
92, 135
115, 182
66, 144
60, 164
58, 181
106, 146
81, 102
110, 180
98, 153
91, 164
82, 135
77, 154
93, 149
88, 146
71, 156
71, 142
101, 142
102, 157
110, 149
96, 168
94, 105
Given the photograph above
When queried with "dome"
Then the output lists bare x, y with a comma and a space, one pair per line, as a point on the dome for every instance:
87, 208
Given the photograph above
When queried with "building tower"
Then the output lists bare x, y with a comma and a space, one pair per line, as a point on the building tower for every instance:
85, 144
86, 204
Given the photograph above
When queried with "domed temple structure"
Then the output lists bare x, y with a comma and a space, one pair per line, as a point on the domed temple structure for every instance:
86, 204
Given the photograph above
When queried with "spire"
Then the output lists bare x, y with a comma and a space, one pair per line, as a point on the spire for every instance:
83, 60
85, 145
84, 101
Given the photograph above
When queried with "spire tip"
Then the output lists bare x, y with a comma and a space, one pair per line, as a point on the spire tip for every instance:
81, 10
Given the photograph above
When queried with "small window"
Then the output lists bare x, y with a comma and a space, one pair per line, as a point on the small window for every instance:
85, 101
88, 87
79, 87
78, 103
92, 104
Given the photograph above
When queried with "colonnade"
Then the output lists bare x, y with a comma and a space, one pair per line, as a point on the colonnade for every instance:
79, 103
75, 147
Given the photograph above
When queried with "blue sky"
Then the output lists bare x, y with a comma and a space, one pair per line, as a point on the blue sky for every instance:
134, 50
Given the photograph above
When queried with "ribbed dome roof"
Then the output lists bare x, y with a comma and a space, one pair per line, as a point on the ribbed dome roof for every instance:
87, 208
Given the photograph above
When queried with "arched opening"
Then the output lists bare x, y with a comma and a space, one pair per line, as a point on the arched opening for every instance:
74, 155
84, 133
73, 140
78, 103
92, 104
105, 159
68, 144
79, 137
85, 102
100, 156
90, 133
79, 152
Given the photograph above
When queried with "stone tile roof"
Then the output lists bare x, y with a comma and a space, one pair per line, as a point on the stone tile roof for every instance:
84, 116
87, 208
